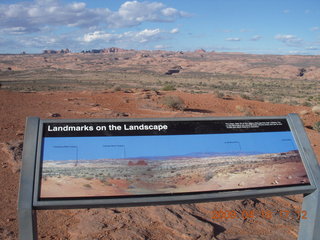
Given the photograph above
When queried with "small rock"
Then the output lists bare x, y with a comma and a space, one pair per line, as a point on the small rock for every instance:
122, 114
55, 115
94, 105
4, 165
10, 219
20, 133
289, 177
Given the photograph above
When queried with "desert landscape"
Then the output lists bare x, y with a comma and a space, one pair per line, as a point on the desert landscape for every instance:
139, 84
176, 174
257, 77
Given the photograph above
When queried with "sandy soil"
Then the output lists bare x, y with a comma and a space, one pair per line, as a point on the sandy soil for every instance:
193, 221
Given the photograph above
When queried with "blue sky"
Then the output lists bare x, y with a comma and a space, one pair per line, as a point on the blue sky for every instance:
65, 148
260, 26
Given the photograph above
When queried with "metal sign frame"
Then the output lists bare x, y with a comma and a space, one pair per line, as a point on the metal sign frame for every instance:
29, 182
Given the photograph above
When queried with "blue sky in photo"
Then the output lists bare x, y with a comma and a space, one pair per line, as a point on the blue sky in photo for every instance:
259, 27
91, 148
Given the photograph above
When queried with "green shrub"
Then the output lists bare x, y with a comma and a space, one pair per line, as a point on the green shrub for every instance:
173, 102
219, 94
168, 87
117, 88
245, 96
307, 104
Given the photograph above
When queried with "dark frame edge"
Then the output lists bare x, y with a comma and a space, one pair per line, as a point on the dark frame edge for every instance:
309, 228
26, 213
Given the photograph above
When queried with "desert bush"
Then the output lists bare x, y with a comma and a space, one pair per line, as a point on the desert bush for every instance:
168, 87
307, 104
245, 110
87, 185
219, 94
316, 109
245, 96
117, 88
208, 176
303, 112
316, 126
173, 102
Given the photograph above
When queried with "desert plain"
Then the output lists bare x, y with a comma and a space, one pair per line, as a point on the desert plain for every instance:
122, 84
178, 174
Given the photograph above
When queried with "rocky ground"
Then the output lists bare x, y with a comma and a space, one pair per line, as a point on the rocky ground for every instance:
192, 221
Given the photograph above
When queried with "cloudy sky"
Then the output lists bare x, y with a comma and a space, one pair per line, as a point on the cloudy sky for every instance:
260, 26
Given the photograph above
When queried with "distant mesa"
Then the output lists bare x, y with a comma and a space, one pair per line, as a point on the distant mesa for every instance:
138, 163
56, 51
201, 50
105, 50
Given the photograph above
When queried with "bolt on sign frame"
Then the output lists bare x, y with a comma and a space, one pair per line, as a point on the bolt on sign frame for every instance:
50, 144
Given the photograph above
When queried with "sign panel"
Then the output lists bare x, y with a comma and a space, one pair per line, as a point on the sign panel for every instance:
81, 160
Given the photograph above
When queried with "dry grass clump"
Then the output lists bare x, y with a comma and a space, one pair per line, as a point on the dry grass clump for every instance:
245, 110
304, 112
316, 126
116, 88
316, 110
168, 87
173, 102
87, 185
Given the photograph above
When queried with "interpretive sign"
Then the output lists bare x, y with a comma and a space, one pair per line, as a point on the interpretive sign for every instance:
108, 159
87, 163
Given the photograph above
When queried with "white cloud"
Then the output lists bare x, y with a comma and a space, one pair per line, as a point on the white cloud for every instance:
234, 39
34, 16
143, 36
286, 11
160, 47
256, 38
174, 30
133, 13
312, 48
289, 40
314, 29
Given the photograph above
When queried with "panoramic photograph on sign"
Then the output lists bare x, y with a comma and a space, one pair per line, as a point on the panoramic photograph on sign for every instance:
108, 160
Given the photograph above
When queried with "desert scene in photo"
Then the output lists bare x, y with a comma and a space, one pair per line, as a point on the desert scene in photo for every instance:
63, 59
197, 172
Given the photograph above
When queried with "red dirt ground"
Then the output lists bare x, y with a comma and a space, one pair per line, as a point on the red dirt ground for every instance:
191, 221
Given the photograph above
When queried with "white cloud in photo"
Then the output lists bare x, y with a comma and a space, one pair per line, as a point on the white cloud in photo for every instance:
314, 29
233, 39
313, 48
144, 36
256, 38
133, 13
160, 47
289, 40
174, 30
33, 16
29, 17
